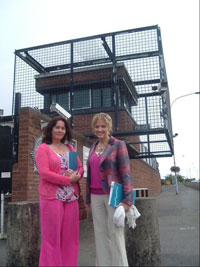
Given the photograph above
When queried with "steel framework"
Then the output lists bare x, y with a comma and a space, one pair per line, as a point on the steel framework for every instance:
141, 52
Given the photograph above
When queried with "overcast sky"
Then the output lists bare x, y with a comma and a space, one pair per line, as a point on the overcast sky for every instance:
26, 23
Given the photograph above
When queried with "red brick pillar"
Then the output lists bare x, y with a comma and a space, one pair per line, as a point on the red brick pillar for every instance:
24, 180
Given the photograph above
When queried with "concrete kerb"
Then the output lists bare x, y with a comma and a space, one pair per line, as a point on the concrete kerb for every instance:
23, 234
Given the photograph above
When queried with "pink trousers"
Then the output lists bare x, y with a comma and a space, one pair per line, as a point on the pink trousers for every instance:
59, 233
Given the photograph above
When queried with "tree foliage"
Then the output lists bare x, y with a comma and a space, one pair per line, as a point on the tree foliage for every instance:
171, 178
175, 169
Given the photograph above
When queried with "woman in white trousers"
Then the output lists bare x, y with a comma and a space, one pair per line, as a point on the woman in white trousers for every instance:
108, 161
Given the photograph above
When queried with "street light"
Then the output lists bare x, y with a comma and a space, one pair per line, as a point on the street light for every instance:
184, 96
176, 182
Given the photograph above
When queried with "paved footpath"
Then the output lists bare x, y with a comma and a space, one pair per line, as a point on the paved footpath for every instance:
178, 217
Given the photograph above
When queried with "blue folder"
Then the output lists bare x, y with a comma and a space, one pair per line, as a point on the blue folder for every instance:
73, 160
116, 194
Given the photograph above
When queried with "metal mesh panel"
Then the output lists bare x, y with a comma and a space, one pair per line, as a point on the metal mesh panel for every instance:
51, 56
152, 113
143, 69
136, 42
89, 50
139, 113
154, 117
25, 84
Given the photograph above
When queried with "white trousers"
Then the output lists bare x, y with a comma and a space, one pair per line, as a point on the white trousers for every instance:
109, 239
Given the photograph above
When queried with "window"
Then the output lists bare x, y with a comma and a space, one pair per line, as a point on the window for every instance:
101, 98
53, 99
96, 98
106, 93
82, 99
63, 99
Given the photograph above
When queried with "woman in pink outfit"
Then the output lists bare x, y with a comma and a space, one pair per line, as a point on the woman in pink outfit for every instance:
59, 192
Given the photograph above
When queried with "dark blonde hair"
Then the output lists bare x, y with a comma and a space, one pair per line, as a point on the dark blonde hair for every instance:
102, 116
47, 131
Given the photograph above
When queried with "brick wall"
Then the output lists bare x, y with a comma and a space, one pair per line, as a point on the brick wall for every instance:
82, 122
144, 176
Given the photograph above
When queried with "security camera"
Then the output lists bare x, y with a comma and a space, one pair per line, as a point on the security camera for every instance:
60, 111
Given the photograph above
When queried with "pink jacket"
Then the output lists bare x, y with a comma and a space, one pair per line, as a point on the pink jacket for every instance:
114, 166
49, 168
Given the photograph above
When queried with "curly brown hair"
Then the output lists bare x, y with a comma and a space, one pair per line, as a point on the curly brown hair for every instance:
47, 130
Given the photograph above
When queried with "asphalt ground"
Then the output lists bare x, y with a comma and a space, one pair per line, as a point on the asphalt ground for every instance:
178, 218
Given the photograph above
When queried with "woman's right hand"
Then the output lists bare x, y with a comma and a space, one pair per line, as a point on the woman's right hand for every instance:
68, 172
74, 177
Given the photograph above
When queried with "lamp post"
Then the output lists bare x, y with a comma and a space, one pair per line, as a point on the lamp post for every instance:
176, 182
175, 171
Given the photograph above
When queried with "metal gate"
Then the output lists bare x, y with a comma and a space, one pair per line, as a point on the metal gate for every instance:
6, 159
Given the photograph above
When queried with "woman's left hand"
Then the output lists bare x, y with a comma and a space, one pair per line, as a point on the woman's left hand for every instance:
126, 207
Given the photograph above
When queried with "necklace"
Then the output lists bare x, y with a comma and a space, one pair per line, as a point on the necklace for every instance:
99, 150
